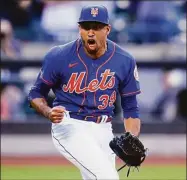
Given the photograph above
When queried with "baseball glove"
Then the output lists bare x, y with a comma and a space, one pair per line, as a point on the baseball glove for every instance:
129, 149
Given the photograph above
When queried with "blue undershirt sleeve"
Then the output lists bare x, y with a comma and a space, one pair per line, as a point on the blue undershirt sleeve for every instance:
39, 90
130, 106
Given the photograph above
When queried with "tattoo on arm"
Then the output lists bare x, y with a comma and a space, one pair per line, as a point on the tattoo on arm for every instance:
41, 106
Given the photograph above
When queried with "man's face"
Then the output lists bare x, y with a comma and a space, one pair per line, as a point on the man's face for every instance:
94, 35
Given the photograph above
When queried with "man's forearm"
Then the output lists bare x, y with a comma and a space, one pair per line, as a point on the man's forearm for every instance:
132, 125
41, 106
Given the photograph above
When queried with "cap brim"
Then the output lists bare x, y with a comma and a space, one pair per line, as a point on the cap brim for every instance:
91, 21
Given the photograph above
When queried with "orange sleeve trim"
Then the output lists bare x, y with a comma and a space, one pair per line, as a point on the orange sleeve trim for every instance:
46, 82
135, 92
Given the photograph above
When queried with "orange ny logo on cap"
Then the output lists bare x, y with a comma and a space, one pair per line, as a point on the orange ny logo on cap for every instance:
94, 12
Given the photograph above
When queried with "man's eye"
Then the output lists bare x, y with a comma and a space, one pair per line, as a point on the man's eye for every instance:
87, 28
94, 27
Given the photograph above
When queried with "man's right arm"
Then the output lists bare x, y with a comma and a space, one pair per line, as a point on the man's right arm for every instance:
41, 106
54, 114
37, 98
47, 78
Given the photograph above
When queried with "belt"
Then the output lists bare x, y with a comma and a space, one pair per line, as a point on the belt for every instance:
96, 119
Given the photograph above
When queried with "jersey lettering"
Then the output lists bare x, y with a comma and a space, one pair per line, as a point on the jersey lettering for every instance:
104, 98
75, 82
107, 100
111, 81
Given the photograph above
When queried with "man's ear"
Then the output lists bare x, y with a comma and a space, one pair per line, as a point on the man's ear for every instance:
108, 29
79, 28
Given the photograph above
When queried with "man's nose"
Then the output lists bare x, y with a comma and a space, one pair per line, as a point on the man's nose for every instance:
91, 33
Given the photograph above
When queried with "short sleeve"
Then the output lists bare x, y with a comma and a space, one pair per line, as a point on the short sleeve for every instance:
130, 85
50, 70
47, 77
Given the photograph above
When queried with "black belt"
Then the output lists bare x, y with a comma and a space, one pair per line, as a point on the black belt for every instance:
96, 119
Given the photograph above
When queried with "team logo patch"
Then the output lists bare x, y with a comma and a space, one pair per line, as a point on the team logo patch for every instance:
94, 12
136, 76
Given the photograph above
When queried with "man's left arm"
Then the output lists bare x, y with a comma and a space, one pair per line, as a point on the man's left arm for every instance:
129, 88
130, 108
132, 125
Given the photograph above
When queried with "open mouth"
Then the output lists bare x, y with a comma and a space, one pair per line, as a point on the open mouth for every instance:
91, 43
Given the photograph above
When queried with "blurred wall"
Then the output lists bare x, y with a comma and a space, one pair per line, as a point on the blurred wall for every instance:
42, 145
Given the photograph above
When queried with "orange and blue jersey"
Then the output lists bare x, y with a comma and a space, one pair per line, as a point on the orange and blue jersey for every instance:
86, 86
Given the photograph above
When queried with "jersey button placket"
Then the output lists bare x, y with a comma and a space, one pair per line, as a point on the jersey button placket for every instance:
94, 67
90, 95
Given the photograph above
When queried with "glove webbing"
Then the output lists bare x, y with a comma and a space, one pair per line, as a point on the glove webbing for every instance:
130, 166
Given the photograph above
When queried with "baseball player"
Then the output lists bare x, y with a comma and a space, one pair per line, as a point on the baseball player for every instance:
86, 75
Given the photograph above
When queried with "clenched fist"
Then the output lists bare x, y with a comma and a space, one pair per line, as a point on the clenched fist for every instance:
56, 114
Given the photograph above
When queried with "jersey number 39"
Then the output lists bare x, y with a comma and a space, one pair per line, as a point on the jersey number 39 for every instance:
107, 100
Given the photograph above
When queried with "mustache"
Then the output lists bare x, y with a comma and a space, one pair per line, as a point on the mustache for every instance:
90, 41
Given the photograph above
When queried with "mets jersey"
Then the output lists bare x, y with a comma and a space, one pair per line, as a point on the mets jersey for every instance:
83, 85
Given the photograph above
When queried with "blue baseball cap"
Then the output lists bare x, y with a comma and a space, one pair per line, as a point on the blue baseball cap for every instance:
95, 13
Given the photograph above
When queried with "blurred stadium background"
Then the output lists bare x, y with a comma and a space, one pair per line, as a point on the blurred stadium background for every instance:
154, 32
